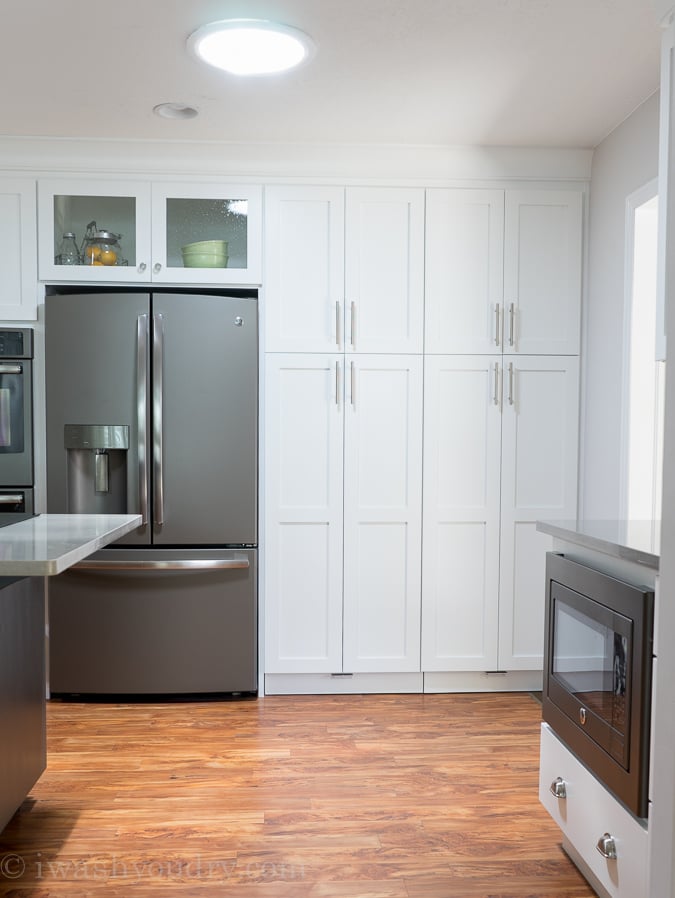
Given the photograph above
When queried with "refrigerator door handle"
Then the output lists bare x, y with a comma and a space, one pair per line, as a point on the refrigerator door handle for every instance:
142, 412
157, 415
178, 564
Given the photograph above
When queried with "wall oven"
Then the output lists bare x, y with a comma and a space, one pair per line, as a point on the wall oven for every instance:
16, 416
598, 674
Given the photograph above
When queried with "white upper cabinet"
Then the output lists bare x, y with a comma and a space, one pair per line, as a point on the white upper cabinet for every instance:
542, 271
218, 218
384, 269
344, 269
149, 226
503, 271
464, 271
304, 269
18, 257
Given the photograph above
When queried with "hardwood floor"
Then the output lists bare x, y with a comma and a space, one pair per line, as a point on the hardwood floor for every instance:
406, 796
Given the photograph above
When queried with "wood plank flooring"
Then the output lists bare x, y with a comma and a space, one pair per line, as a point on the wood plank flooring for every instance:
405, 796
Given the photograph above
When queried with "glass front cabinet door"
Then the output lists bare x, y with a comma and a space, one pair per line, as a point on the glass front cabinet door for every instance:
136, 231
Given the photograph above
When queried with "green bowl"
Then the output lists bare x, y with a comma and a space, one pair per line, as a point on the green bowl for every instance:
205, 260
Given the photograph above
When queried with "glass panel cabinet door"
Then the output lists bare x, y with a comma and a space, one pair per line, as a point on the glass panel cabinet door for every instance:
205, 233
94, 230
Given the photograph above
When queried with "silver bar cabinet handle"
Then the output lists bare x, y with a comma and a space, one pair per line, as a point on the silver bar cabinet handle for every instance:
338, 336
497, 322
178, 564
11, 498
510, 383
512, 323
142, 412
157, 412
11, 369
607, 846
352, 332
495, 395
353, 383
337, 384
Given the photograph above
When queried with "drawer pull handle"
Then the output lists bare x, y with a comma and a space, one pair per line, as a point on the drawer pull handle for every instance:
559, 787
607, 846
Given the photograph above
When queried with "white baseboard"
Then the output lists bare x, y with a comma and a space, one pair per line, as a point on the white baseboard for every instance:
373, 683
477, 681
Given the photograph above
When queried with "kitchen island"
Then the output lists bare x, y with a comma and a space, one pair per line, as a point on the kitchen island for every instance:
30, 550
611, 845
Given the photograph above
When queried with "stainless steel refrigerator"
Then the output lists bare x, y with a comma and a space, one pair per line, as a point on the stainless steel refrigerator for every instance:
152, 408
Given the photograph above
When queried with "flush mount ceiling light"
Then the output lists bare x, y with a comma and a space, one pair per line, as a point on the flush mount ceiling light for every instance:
250, 46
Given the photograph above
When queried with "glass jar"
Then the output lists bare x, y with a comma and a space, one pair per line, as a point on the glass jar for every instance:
68, 253
101, 247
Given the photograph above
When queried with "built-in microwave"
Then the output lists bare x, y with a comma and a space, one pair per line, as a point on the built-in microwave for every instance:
598, 674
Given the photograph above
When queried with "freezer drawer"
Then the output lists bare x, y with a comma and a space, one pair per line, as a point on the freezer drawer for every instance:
155, 622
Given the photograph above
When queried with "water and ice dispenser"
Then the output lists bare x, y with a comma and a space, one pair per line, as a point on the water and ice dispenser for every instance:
97, 468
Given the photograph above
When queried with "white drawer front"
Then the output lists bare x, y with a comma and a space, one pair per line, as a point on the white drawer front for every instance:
586, 814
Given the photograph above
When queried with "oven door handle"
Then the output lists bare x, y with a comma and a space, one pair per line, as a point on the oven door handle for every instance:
11, 369
11, 498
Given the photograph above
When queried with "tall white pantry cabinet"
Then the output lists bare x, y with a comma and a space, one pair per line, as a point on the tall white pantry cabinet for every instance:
421, 377
344, 289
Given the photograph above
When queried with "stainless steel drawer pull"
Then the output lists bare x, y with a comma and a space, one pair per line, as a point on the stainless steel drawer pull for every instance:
337, 384
353, 325
512, 323
559, 787
510, 383
607, 846
11, 498
178, 564
497, 328
11, 369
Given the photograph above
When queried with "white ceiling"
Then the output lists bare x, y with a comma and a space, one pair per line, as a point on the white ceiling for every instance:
551, 73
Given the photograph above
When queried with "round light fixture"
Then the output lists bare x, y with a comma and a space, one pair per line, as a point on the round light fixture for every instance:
250, 46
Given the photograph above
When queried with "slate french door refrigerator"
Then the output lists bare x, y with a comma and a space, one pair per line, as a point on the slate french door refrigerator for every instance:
151, 401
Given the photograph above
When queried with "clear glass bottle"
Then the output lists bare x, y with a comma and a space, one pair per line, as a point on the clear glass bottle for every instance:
68, 253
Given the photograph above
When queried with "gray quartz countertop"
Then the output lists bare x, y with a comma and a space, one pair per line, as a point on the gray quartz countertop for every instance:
51, 543
636, 541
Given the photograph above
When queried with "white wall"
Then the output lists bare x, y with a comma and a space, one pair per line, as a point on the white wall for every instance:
625, 161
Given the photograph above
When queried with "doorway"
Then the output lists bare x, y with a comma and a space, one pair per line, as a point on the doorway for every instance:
644, 375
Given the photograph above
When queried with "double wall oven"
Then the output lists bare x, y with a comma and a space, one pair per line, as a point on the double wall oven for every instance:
16, 420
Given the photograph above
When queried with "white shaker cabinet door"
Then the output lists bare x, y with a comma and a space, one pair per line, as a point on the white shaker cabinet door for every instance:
462, 444
539, 482
384, 270
303, 514
542, 271
18, 261
383, 504
304, 269
464, 271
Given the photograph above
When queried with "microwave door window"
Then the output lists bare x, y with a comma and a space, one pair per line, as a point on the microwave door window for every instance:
590, 662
